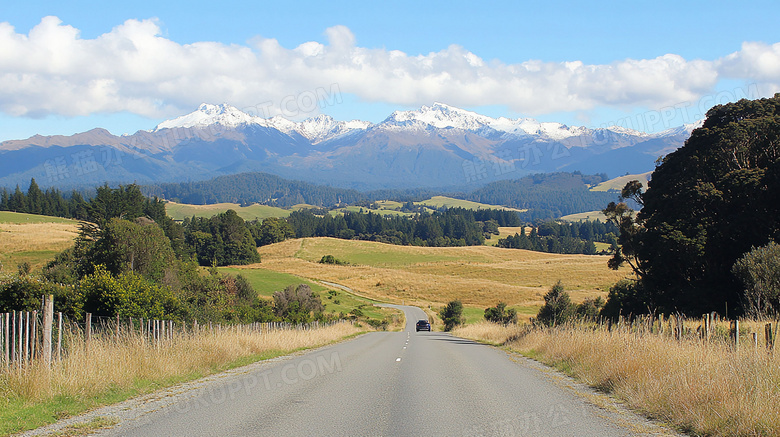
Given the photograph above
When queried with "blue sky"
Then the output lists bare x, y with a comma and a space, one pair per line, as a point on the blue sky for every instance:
644, 65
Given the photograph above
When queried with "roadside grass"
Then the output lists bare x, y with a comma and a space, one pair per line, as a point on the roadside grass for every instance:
701, 388
110, 370
180, 211
479, 276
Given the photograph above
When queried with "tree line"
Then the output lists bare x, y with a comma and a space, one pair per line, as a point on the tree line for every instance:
563, 237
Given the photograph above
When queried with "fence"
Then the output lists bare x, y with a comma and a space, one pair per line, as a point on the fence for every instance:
27, 336
706, 329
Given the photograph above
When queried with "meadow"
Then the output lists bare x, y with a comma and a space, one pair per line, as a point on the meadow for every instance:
33, 239
480, 276
180, 211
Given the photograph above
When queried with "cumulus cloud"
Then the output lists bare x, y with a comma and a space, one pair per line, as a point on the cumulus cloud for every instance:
132, 68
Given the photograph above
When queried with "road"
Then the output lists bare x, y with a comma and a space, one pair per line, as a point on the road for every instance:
388, 384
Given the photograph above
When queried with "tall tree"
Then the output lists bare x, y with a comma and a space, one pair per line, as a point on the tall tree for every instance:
707, 203
34, 198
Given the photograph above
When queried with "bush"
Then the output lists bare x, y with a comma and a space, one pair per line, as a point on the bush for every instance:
557, 308
452, 315
499, 314
590, 308
297, 304
625, 297
330, 259
759, 271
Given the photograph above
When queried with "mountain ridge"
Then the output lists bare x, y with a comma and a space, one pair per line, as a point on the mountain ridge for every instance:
434, 146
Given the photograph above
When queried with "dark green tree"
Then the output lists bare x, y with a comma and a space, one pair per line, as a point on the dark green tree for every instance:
452, 315
500, 314
706, 205
34, 198
557, 308
759, 272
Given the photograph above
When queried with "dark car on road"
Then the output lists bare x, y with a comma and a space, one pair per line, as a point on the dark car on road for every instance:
423, 325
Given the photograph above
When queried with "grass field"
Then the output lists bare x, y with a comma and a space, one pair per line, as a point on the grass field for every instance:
336, 301
620, 182
449, 202
479, 276
33, 239
583, 216
179, 211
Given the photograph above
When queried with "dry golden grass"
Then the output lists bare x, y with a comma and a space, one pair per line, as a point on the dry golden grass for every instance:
478, 275
37, 236
701, 388
108, 363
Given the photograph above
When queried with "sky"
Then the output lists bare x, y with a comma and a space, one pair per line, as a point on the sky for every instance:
67, 67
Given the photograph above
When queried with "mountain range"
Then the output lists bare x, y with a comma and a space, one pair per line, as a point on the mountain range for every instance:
435, 146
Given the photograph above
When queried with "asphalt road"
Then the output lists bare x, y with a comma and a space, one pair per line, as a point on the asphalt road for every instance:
389, 384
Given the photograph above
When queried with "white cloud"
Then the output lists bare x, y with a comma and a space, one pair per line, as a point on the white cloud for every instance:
133, 68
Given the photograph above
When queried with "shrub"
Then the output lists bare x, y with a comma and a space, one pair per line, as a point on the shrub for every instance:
557, 308
452, 315
625, 297
499, 314
759, 271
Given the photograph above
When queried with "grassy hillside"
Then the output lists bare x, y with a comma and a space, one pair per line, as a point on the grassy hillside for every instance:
583, 216
180, 211
33, 239
479, 276
620, 182
449, 202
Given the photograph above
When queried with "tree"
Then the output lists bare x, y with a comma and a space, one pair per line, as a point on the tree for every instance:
297, 304
452, 315
272, 230
125, 246
557, 308
706, 205
499, 314
759, 272
34, 198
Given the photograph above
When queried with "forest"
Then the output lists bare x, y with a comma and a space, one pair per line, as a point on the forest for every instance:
563, 237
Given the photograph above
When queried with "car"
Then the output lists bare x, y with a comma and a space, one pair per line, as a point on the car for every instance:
423, 325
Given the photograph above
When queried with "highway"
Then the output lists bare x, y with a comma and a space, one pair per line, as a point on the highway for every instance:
388, 384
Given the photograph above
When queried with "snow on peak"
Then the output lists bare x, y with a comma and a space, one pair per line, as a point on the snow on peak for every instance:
208, 114
440, 116
319, 128
323, 127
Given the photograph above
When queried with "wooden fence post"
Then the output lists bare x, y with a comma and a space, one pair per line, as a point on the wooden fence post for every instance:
770, 340
48, 319
735, 332
7, 338
27, 337
88, 328
59, 335
34, 334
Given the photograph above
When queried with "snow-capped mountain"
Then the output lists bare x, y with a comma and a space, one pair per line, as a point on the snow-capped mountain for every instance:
316, 129
436, 145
